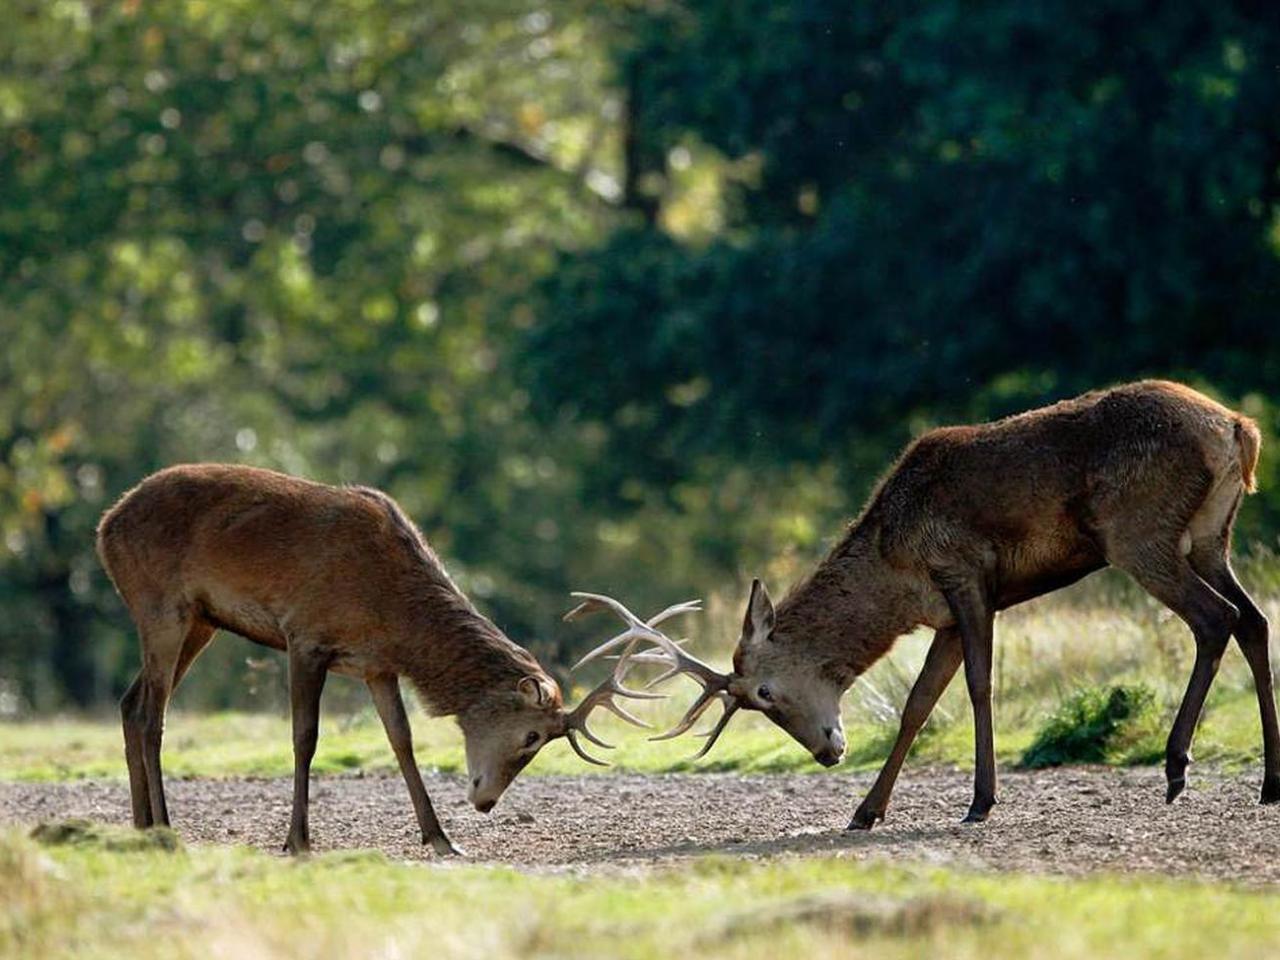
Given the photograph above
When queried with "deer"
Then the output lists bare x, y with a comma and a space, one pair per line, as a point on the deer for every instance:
342, 581
1146, 477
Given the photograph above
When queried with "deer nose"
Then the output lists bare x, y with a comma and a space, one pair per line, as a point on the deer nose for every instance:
835, 738
827, 757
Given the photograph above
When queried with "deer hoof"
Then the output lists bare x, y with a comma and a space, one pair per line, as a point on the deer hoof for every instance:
1176, 786
865, 819
443, 846
1270, 790
978, 811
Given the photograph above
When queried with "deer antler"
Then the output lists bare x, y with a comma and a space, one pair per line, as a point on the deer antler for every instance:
575, 721
636, 628
715, 685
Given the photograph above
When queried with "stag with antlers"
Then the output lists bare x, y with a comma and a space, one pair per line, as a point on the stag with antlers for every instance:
341, 580
1145, 477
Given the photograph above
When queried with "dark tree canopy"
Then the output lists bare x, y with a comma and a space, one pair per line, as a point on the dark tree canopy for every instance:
937, 211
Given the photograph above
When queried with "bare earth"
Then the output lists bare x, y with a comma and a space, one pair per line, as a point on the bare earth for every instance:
1072, 821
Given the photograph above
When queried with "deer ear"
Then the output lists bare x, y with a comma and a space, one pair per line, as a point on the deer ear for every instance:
534, 690
760, 617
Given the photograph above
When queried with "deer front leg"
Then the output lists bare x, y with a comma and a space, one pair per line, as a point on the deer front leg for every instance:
390, 706
307, 672
940, 666
975, 622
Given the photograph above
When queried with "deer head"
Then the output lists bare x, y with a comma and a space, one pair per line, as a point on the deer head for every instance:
504, 733
798, 693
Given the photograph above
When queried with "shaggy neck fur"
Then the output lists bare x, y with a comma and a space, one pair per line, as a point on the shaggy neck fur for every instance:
466, 659
851, 609
456, 657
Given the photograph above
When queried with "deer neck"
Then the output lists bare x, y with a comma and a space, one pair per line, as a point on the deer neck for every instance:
462, 658
852, 608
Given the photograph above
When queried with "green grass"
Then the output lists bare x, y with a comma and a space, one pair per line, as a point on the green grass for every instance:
85, 899
229, 744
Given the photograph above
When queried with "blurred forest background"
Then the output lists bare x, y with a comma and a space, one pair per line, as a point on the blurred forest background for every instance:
634, 295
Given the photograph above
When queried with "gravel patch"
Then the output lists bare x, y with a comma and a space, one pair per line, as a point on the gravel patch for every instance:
1073, 821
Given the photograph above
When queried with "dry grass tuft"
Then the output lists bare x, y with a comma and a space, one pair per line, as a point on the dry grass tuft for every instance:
861, 916
86, 833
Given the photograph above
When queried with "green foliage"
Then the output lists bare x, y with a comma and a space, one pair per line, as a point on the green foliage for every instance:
292, 237
1117, 724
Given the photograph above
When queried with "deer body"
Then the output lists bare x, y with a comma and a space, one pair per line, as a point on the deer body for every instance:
341, 580
1146, 477
268, 556
1027, 505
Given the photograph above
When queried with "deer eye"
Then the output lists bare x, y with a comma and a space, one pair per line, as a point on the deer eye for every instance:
531, 739
764, 693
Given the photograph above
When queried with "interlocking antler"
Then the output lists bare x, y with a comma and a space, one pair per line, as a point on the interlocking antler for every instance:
715, 685
636, 628
575, 721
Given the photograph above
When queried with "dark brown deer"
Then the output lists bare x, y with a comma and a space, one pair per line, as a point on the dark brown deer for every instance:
1145, 477
341, 580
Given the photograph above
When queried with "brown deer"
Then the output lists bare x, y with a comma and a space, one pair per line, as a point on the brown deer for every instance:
341, 580
1145, 477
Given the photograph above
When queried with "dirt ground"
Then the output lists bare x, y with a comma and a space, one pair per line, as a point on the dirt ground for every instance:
1070, 821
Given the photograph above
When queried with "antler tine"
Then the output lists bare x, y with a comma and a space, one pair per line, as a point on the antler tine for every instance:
593, 602
602, 696
592, 737
652, 655
729, 710
675, 610
699, 707
715, 686
618, 710
577, 748
680, 661
648, 656
631, 633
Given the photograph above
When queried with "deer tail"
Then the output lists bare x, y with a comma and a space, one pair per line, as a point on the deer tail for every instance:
1249, 443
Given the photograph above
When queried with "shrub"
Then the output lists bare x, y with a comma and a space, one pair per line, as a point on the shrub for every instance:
1116, 724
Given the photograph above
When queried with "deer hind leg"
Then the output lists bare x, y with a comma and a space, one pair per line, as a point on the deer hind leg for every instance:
308, 669
198, 637
1253, 635
134, 721
1159, 566
390, 706
940, 666
1210, 557
165, 637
